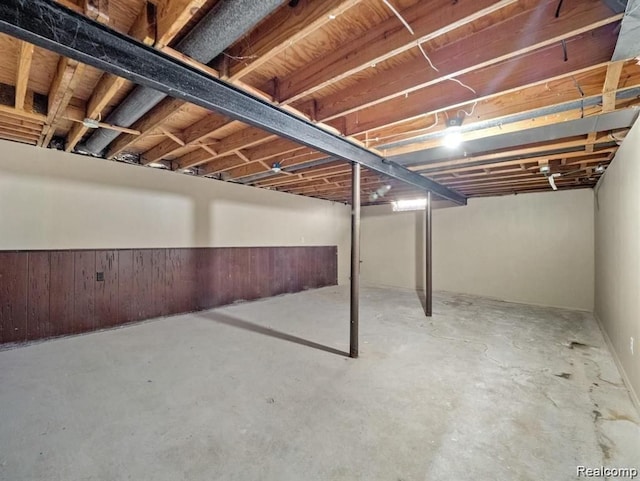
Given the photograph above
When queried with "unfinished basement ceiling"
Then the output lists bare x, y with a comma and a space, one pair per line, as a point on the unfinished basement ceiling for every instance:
525, 76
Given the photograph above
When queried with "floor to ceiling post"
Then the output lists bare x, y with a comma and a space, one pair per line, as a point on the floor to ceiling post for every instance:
355, 259
427, 267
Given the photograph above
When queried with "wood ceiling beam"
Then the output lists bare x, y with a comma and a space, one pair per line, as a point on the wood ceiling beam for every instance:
22, 114
245, 170
324, 188
19, 129
19, 138
384, 41
279, 180
97, 10
510, 176
541, 149
610, 86
284, 28
65, 81
21, 122
173, 16
157, 116
530, 98
584, 52
536, 26
203, 129
221, 164
195, 158
591, 140
22, 73
272, 149
244, 138
523, 187
544, 158
109, 85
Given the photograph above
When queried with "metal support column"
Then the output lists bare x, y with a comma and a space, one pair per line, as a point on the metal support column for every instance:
427, 267
355, 258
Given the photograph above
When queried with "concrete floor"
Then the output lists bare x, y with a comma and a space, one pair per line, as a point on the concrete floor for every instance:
260, 391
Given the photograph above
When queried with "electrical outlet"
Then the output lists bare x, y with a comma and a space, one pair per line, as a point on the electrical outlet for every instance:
631, 345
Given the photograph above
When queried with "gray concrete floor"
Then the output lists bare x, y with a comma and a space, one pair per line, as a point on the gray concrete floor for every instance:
484, 390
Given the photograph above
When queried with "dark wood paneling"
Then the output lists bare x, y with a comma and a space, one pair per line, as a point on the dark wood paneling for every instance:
13, 296
143, 297
38, 318
206, 287
61, 292
85, 291
52, 293
225, 275
107, 311
125, 286
181, 280
280, 275
159, 265
262, 266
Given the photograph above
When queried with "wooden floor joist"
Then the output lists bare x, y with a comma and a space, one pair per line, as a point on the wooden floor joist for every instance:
356, 69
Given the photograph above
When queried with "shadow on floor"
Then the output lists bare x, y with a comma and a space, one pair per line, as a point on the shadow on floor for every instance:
249, 326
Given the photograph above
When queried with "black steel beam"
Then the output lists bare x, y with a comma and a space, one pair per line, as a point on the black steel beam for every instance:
53, 27
355, 260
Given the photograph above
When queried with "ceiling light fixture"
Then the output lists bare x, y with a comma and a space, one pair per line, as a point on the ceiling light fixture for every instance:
600, 169
91, 123
276, 167
453, 133
381, 192
409, 204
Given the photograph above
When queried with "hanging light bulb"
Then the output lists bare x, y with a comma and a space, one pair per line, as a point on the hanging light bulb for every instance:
453, 133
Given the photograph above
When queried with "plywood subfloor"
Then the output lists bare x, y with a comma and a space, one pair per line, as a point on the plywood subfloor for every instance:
261, 391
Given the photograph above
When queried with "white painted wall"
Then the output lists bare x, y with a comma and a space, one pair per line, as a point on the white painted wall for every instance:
617, 260
54, 200
531, 248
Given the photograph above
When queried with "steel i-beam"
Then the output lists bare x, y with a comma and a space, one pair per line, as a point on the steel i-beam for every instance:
53, 27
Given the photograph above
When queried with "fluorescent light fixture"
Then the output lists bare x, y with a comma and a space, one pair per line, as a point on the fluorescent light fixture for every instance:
453, 133
409, 204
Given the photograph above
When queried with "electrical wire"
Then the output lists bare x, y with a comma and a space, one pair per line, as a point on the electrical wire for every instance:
427, 57
424, 54
473, 108
453, 79
400, 17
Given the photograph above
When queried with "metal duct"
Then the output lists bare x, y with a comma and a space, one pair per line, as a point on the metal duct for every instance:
227, 22
597, 123
628, 40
